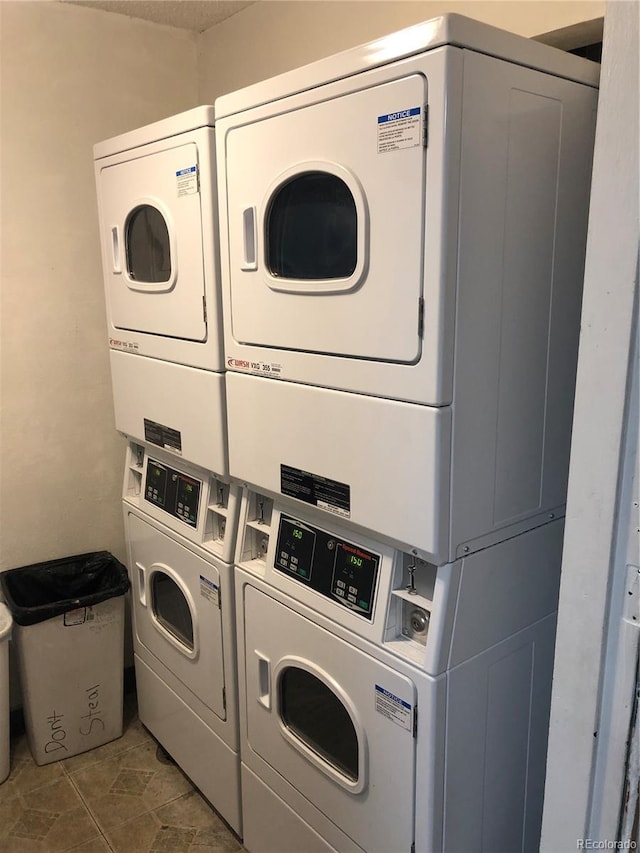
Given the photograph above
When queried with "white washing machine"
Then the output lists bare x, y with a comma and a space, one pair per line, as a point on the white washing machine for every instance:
403, 229
180, 524
157, 205
387, 704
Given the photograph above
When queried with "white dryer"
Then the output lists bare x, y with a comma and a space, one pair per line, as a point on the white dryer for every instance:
387, 704
158, 228
403, 229
180, 524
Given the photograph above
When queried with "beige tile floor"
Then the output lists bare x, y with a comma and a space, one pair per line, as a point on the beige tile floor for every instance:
125, 797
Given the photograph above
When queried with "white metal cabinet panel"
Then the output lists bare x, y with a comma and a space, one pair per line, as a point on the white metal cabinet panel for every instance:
175, 307
273, 633
192, 744
270, 818
525, 172
201, 669
179, 319
376, 315
188, 400
519, 581
426, 36
495, 757
429, 379
393, 457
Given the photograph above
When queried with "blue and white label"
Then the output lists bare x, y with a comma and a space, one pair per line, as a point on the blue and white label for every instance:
209, 590
394, 708
187, 181
399, 130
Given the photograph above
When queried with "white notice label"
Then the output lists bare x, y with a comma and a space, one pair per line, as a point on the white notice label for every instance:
209, 590
187, 181
399, 130
393, 708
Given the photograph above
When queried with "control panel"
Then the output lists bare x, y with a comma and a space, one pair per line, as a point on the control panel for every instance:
334, 567
172, 491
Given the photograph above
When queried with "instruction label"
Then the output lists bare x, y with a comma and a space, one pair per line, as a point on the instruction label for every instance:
393, 708
187, 181
399, 130
209, 590
318, 491
163, 436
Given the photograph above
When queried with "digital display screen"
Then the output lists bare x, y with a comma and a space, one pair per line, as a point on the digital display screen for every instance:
187, 497
296, 546
354, 576
156, 486
172, 491
339, 570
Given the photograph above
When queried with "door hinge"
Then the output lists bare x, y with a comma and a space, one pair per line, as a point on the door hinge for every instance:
224, 699
420, 317
204, 308
415, 720
413, 847
425, 127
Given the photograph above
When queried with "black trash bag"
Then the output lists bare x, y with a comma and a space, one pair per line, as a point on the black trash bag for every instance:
44, 590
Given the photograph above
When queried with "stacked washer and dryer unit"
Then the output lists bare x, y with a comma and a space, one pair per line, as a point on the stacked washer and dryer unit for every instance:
403, 231
159, 234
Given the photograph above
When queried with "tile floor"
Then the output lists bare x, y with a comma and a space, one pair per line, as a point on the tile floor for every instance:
126, 796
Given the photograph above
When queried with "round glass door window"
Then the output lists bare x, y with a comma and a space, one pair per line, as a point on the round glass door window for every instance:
147, 245
171, 609
311, 229
313, 713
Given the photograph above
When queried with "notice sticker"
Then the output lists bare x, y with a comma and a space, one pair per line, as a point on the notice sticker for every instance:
163, 436
393, 708
399, 130
209, 590
322, 492
187, 181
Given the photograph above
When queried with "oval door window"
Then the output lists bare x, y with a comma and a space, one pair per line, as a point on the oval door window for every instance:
171, 609
314, 714
312, 229
147, 245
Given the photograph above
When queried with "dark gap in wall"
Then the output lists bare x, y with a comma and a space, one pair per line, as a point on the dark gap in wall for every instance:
583, 39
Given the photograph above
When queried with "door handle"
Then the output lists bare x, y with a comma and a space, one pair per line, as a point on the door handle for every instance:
115, 250
142, 584
249, 239
264, 681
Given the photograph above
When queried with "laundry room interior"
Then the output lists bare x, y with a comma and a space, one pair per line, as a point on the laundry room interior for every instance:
378, 572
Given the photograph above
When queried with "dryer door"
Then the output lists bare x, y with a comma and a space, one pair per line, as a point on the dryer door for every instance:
152, 242
326, 224
332, 721
176, 609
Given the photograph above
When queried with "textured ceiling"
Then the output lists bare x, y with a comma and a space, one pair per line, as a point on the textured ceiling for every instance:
195, 15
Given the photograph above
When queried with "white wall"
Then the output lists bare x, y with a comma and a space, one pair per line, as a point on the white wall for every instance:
268, 38
70, 76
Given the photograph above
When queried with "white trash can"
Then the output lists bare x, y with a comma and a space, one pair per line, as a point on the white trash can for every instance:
68, 633
5, 632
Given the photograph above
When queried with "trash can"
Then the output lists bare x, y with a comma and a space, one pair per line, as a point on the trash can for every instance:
68, 631
5, 632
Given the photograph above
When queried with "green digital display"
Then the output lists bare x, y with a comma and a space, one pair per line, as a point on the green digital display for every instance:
355, 561
297, 533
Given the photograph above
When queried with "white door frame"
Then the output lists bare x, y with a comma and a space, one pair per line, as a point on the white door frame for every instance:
587, 722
